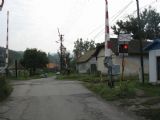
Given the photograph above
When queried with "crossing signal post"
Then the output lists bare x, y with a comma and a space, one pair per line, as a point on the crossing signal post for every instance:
123, 49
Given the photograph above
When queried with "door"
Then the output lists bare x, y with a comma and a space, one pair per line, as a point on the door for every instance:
158, 68
93, 68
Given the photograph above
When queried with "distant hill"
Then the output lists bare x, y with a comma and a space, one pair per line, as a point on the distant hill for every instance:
13, 55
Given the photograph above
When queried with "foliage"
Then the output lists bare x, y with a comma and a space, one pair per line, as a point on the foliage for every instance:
150, 114
5, 88
34, 59
66, 62
54, 58
73, 65
13, 55
143, 99
150, 27
80, 47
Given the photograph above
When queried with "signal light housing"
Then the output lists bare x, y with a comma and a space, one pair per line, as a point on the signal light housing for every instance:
123, 48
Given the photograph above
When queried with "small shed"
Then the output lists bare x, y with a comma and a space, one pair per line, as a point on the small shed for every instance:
154, 61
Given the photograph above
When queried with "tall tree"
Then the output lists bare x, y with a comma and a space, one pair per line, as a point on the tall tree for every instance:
80, 47
150, 25
34, 59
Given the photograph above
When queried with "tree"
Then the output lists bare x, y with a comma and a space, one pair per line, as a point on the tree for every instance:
34, 59
150, 25
54, 58
80, 47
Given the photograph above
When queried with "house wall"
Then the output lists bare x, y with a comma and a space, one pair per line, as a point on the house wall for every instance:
132, 63
153, 65
85, 67
100, 62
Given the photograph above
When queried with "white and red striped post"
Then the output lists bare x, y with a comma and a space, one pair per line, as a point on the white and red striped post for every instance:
107, 36
7, 38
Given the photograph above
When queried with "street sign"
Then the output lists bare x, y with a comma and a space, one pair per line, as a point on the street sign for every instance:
124, 37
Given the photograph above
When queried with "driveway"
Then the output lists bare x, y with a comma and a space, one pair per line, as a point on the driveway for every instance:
50, 99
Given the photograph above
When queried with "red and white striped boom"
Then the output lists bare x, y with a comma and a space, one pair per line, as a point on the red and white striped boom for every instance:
107, 37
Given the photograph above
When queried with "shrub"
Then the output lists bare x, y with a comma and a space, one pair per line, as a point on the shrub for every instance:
5, 88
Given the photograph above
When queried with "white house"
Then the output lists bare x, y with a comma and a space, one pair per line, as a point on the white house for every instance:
87, 63
154, 61
132, 61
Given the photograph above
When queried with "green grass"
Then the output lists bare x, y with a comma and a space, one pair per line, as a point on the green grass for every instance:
81, 77
5, 88
129, 89
150, 114
111, 93
152, 101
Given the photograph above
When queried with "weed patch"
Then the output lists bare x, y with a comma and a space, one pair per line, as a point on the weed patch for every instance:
5, 88
151, 114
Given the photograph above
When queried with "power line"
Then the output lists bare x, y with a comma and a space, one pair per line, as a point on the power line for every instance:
121, 11
153, 2
114, 17
101, 31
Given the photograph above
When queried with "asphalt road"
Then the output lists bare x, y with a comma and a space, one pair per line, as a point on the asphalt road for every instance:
49, 99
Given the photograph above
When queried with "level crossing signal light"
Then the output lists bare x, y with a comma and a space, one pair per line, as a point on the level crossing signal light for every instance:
123, 48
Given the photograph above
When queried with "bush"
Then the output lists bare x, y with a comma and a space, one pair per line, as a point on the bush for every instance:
5, 88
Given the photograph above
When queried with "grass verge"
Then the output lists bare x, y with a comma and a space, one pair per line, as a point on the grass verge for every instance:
5, 88
138, 97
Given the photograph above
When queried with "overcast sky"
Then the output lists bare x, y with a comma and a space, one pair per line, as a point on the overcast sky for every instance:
34, 23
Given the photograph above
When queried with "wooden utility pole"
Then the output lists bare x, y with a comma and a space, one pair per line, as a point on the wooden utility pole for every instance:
1, 4
7, 39
16, 68
61, 45
140, 42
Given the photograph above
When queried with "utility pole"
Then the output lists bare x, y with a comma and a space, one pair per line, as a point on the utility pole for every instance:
16, 68
61, 45
7, 39
140, 42
1, 4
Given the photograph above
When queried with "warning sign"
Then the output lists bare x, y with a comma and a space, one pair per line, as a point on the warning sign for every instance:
124, 37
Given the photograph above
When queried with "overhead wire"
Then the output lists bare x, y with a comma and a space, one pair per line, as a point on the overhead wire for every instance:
99, 33
115, 17
153, 2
